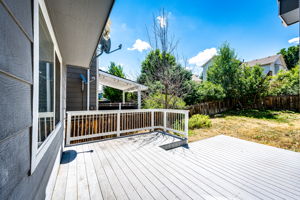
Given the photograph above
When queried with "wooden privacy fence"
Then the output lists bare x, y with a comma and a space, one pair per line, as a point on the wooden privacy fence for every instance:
291, 102
85, 125
211, 108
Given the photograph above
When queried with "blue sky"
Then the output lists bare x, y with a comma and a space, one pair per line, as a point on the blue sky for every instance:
252, 28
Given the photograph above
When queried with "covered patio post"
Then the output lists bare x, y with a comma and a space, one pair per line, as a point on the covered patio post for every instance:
123, 96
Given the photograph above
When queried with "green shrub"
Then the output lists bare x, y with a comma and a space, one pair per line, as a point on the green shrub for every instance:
199, 121
286, 83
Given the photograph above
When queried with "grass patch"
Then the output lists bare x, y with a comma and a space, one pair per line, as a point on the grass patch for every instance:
276, 128
278, 116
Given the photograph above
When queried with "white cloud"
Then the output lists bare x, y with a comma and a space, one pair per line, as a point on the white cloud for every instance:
202, 57
294, 40
140, 46
162, 21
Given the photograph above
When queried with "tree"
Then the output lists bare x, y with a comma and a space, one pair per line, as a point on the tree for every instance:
254, 84
286, 83
160, 71
291, 56
208, 91
240, 82
114, 95
225, 71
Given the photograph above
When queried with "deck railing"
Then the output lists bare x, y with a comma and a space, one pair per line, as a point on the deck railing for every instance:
83, 125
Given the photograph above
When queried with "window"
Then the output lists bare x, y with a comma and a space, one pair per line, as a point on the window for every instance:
49, 83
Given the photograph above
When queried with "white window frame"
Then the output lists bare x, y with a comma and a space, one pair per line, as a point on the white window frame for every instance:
37, 152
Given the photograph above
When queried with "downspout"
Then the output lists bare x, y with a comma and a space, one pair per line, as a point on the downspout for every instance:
97, 88
88, 90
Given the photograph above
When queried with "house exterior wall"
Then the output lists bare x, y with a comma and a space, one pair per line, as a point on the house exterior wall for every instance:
16, 88
205, 69
274, 67
76, 98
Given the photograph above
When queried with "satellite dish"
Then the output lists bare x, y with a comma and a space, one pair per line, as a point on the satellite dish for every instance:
105, 45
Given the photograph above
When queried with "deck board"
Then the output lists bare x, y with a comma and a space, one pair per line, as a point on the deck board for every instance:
71, 187
136, 167
94, 186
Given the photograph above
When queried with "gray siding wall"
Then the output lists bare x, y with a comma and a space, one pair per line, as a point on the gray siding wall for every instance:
16, 36
76, 98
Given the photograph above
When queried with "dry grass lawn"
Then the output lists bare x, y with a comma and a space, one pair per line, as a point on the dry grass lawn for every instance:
278, 129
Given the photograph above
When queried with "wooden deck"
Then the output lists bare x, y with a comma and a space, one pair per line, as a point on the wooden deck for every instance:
136, 167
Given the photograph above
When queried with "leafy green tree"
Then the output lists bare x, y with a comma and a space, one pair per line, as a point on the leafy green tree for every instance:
112, 94
253, 85
286, 83
208, 91
225, 71
290, 55
191, 96
158, 101
240, 82
162, 74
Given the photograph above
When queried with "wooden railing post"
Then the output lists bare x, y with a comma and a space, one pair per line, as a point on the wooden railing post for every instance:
68, 138
186, 125
118, 123
152, 120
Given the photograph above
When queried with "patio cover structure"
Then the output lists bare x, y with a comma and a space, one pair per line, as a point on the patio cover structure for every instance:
123, 84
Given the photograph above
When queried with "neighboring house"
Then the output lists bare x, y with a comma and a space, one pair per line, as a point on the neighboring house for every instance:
205, 68
271, 65
39, 39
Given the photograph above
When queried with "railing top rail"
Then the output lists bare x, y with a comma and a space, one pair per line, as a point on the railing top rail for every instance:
96, 112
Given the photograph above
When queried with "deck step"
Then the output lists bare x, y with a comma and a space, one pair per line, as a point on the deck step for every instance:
174, 145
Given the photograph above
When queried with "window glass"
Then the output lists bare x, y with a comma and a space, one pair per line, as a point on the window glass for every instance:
46, 81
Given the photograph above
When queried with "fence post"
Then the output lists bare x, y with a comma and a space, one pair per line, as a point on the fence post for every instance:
152, 120
68, 139
186, 125
165, 121
118, 123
